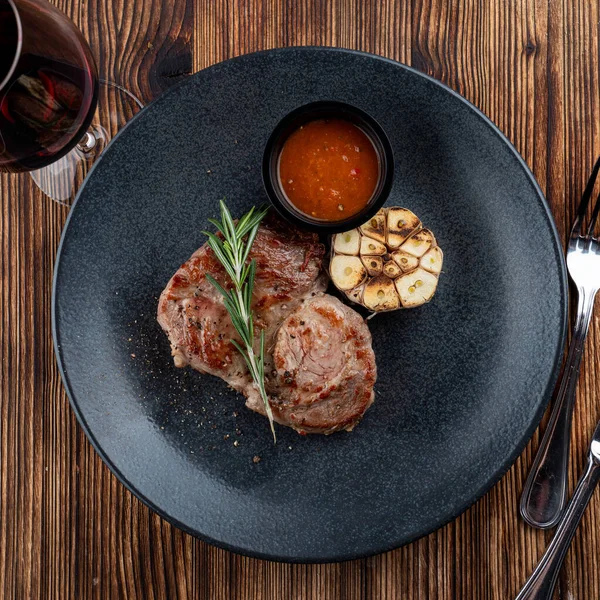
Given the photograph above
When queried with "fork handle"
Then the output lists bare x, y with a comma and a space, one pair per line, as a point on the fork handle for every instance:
545, 491
540, 585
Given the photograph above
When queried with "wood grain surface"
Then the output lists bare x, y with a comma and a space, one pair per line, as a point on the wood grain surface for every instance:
68, 529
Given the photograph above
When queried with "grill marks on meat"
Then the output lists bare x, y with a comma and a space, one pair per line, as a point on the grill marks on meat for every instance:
319, 364
196, 321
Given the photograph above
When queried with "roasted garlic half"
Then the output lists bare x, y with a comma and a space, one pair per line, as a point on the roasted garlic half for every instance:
390, 262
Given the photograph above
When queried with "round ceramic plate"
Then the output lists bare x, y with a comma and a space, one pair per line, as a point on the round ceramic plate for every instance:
462, 382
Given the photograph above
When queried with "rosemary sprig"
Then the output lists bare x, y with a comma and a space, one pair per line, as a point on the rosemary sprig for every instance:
232, 252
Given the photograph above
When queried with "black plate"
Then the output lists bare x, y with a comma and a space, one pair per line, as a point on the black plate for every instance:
462, 381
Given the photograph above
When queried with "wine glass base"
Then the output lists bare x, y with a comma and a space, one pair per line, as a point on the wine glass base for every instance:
61, 179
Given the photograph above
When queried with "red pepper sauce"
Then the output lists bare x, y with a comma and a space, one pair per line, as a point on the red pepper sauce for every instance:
329, 169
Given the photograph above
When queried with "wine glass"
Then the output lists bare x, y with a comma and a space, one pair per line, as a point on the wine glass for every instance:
49, 90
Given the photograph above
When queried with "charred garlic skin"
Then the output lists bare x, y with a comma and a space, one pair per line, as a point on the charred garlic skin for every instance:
389, 262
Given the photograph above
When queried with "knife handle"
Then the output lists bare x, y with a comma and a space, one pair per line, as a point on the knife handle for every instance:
540, 585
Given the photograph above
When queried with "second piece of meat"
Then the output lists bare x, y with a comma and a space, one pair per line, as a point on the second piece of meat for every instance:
325, 368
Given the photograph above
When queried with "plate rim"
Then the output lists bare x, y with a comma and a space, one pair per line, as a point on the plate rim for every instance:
482, 490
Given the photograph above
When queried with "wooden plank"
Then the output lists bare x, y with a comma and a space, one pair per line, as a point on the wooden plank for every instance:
68, 529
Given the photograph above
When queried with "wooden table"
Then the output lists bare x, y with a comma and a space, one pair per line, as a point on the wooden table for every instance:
68, 528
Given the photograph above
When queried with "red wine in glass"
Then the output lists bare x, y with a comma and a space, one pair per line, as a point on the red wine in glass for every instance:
48, 85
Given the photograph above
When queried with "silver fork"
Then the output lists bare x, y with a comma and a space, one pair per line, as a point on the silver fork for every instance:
545, 491
540, 585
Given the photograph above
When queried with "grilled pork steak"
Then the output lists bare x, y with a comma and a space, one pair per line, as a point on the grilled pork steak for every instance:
325, 367
192, 313
289, 272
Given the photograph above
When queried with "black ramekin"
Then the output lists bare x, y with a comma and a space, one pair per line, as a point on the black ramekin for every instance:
327, 110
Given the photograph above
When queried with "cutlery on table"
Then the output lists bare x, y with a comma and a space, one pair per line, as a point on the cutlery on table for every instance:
540, 585
545, 491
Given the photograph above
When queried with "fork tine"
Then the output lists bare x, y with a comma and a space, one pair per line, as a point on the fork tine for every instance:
592, 224
585, 199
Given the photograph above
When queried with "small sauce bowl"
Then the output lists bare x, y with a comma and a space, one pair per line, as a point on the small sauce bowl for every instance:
323, 111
